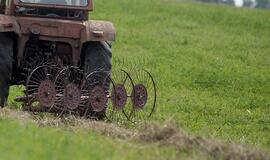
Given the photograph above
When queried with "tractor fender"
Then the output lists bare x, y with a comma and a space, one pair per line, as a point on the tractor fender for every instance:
9, 24
98, 31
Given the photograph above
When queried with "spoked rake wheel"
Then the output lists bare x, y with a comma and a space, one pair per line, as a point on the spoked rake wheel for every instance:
143, 96
40, 88
120, 91
97, 86
69, 98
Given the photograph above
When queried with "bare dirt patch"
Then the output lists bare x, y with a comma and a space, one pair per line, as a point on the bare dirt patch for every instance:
166, 134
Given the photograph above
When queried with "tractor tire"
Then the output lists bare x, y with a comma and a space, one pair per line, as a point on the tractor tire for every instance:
6, 61
98, 57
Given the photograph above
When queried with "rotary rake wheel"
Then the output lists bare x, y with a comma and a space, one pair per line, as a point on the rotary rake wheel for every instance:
120, 91
40, 88
70, 98
97, 87
143, 96
67, 90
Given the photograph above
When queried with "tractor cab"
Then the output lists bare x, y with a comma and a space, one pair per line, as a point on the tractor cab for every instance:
60, 9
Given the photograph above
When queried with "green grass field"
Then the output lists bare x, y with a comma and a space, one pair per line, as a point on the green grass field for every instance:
212, 68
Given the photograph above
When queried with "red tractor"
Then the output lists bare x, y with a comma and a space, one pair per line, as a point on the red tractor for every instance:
62, 58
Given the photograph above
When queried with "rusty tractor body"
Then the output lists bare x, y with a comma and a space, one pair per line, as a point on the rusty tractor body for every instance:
71, 28
63, 59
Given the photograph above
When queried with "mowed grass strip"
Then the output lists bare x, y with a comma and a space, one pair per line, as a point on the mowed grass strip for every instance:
212, 68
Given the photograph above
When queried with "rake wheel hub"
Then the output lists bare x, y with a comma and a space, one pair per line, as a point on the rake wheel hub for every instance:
46, 93
72, 96
98, 99
139, 96
119, 96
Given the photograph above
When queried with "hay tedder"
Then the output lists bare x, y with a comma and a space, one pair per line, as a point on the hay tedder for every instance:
64, 61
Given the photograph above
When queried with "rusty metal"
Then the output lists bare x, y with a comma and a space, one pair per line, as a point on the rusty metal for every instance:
68, 83
9, 24
46, 93
98, 98
22, 99
50, 53
89, 96
72, 96
139, 96
40, 87
98, 31
143, 96
96, 87
120, 91
72, 31
119, 96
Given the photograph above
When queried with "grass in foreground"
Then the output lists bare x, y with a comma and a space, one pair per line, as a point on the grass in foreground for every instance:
73, 138
212, 67
26, 140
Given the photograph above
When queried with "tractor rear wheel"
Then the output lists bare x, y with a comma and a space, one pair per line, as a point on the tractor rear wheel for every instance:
6, 53
98, 57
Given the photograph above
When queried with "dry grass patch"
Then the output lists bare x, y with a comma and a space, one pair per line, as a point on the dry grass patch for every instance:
170, 135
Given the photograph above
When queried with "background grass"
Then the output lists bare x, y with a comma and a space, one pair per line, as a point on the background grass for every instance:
211, 63
212, 68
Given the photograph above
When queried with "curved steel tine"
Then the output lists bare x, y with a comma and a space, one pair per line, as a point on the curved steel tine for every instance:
97, 94
59, 85
132, 95
69, 84
117, 111
39, 88
154, 93
129, 84
144, 96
